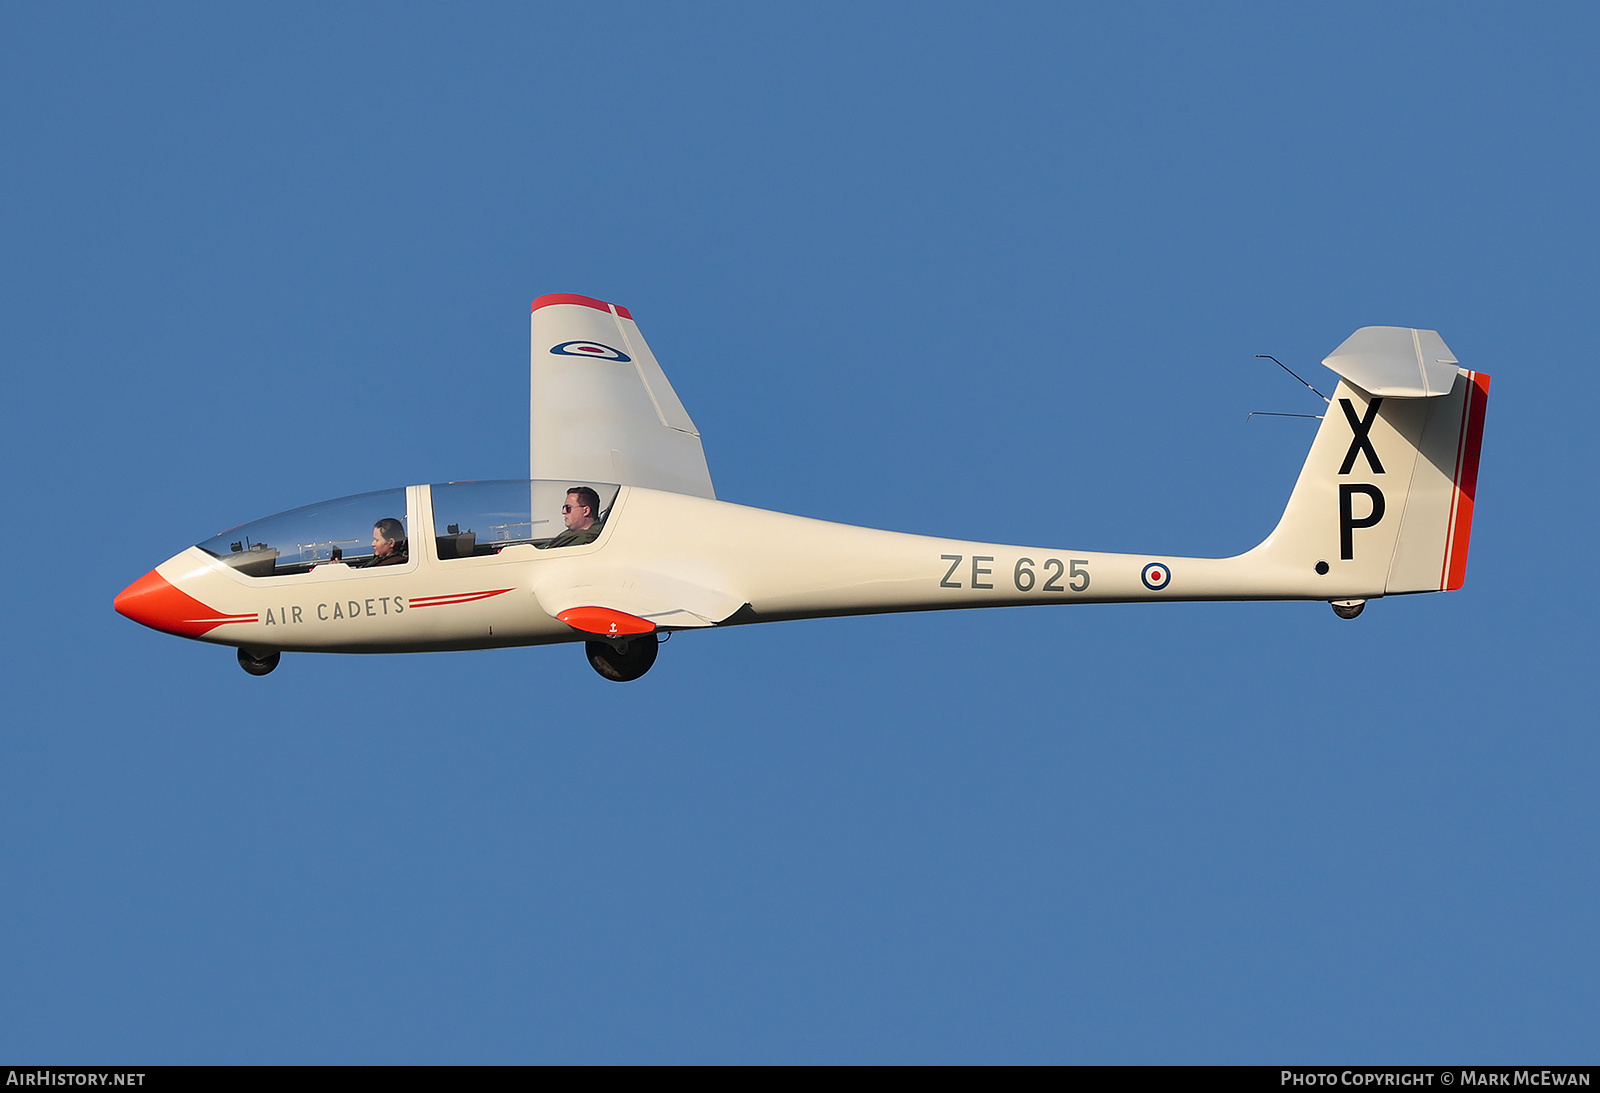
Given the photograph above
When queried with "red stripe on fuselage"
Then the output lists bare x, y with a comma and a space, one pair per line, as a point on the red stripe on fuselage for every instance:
455, 598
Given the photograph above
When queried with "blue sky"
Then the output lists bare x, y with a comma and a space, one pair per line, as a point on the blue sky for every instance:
987, 271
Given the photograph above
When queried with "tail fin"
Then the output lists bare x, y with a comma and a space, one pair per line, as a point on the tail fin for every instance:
1385, 498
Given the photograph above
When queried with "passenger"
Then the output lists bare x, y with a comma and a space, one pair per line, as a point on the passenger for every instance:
388, 544
581, 513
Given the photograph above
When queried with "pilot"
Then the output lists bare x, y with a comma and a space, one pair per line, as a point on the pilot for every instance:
388, 543
581, 513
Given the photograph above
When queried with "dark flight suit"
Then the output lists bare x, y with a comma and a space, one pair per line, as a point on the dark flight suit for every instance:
575, 536
397, 556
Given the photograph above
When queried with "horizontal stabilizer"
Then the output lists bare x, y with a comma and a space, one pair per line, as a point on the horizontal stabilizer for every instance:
1396, 362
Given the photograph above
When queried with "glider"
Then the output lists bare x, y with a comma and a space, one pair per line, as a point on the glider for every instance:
617, 537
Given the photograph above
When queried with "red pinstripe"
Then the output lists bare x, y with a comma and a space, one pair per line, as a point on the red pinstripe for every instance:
455, 598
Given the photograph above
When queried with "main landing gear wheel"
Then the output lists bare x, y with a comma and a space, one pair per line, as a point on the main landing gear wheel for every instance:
625, 660
258, 666
1347, 609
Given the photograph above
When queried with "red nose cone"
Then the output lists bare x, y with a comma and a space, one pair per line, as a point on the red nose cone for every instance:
157, 603
143, 600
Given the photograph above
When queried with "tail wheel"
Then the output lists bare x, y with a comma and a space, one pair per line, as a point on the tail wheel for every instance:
1347, 609
258, 666
625, 660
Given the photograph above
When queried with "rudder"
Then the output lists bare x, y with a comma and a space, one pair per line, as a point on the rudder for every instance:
1431, 554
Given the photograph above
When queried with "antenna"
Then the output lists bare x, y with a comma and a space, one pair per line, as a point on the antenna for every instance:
1296, 375
1269, 413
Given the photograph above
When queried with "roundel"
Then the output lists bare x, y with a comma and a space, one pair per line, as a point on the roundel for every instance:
1155, 576
597, 350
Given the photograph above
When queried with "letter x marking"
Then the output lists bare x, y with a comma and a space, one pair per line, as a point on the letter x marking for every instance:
1361, 442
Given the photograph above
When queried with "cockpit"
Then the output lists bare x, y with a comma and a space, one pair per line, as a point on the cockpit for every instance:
471, 520
479, 519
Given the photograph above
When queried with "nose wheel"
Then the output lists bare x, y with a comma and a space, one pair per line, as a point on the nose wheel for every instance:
625, 660
258, 666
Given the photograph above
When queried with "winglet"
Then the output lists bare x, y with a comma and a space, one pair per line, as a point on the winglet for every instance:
605, 621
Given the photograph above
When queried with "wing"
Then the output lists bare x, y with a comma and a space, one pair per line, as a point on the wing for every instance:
602, 409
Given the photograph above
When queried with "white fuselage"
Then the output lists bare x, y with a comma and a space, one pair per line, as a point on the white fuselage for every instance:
685, 561
1383, 506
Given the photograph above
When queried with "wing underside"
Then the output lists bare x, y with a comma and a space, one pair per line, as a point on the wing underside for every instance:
664, 601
